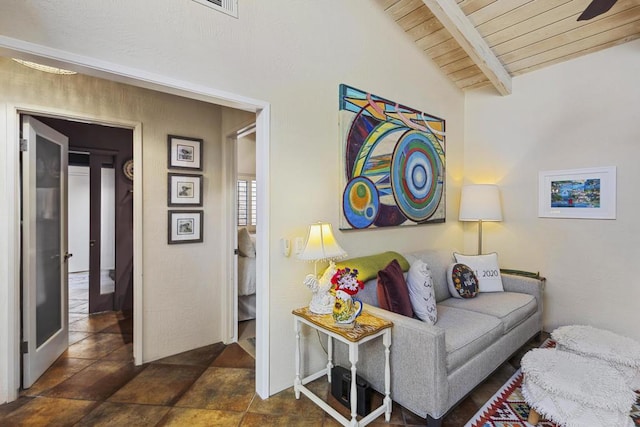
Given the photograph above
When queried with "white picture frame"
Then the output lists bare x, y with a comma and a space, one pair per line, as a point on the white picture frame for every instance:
588, 193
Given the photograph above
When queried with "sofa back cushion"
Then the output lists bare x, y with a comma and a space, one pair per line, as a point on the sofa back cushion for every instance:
438, 262
393, 294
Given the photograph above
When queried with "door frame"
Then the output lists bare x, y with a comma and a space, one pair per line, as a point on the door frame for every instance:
230, 218
9, 194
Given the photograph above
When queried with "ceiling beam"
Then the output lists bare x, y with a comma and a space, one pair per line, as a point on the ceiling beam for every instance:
456, 22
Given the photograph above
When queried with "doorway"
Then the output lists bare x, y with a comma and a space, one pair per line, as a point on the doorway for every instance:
246, 218
99, 258
9, 327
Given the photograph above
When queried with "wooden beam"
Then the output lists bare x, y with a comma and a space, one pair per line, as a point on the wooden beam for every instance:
456, 22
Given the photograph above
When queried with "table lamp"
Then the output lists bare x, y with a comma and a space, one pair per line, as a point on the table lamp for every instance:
321, 245
480, 202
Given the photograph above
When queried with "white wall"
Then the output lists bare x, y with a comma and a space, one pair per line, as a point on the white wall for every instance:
581, 113
247, 155
78, 213
292, 54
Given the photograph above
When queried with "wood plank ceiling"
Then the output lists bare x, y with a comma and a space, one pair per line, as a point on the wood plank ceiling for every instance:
524, 35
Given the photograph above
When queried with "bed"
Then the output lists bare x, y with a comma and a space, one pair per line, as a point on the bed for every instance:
246, 275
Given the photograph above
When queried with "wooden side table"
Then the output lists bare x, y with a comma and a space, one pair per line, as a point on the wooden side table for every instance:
367, 328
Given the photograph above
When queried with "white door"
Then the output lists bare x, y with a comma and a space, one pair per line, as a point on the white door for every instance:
44, 248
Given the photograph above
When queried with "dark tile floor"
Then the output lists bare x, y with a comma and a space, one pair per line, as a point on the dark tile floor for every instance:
95, 383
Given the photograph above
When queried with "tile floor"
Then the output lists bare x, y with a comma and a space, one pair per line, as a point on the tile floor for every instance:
95, 383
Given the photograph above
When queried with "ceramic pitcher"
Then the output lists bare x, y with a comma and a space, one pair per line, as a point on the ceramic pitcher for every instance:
346, 308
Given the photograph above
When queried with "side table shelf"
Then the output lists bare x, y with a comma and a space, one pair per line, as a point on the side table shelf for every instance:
367, 328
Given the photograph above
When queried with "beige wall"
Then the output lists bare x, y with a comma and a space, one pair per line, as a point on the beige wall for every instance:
582, 113
292, 54
181, 301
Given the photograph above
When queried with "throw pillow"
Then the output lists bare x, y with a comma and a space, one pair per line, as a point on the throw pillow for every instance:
245, 245
462, 282
368, 266
486, 269
421, 293
393, 294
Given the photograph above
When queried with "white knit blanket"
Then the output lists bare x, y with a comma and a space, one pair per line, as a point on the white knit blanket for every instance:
588, 381
594, 342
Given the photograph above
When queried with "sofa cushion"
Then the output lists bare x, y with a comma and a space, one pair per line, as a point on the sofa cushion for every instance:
462, 281
393, 294
467, 333
511, 308
420, 285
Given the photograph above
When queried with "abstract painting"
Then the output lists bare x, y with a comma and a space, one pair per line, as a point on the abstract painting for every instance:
393, 163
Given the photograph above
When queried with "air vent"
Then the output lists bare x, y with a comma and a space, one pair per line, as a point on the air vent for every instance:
230, 7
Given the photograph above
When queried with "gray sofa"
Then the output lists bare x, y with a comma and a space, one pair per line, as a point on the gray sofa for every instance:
434, 367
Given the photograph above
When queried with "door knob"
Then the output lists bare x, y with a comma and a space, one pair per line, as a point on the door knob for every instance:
92, 243
67, 255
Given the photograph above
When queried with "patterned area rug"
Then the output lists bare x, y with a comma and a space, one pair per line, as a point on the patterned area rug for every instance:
507, 407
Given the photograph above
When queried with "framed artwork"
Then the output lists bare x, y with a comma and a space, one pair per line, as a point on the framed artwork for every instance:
578, 193
393, 163
185, 227
184, 152
184, 190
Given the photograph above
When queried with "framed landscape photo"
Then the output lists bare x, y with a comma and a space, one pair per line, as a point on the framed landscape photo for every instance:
184, 190
184, 152
578, 193
185, 227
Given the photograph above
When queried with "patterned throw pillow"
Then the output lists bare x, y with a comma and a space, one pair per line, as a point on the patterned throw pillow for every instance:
462, 281
421, 292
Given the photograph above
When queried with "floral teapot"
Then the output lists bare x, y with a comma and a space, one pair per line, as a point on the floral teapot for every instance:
346, 308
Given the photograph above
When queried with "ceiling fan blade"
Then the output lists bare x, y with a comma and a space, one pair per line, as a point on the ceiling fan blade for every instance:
595, 8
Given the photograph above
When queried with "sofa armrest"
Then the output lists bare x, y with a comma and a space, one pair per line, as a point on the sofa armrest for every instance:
525, 285
418, 363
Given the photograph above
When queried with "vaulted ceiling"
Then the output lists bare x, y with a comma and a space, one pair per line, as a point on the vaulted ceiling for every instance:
483, 42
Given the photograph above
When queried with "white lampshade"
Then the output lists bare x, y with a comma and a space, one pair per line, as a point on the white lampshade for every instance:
480, 202
321, 245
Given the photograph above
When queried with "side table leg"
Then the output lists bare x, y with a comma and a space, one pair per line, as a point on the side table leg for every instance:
297, 382
386, 341
353, 358
330, 356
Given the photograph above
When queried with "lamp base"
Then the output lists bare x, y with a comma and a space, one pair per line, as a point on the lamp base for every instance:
323, 305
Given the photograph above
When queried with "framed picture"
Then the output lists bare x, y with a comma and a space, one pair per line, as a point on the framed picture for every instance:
184, 152
184, 190
393, 163
185, 227
578, 193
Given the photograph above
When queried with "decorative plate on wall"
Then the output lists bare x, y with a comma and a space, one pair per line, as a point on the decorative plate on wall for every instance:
127, 169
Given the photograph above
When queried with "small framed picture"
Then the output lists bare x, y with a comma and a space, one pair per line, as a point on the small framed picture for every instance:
185, 227
184, 190
578, 193
184, 152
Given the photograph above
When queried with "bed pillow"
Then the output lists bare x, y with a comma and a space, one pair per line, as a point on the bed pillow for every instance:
486, 269
462, 281
245, 245
421, 292
393, 294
